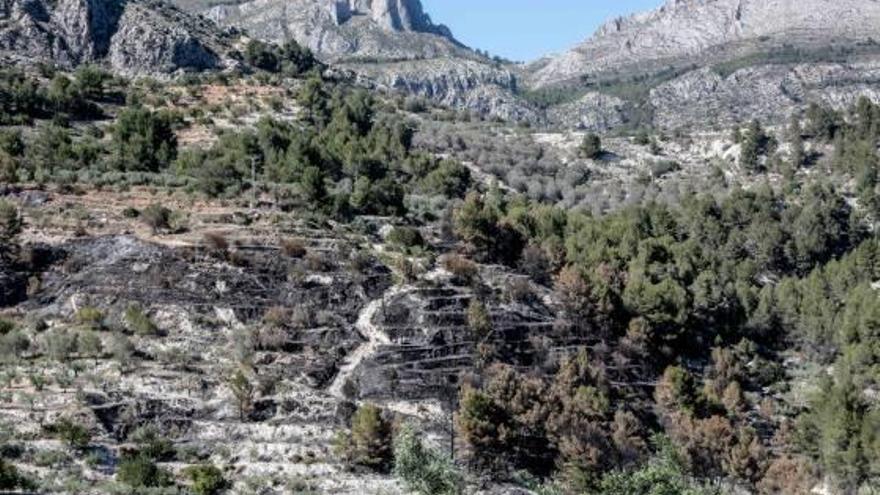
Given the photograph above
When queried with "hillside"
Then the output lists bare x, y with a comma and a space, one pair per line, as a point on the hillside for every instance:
702, 32
288, 276
691, 61
391, 44
132, 37
335, 30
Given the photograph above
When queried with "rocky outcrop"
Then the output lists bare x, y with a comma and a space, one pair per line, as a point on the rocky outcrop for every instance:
593, 111
150, 39
701, 31
690, 62
462, 84
390, 44
133, 36
339, 29
769, 92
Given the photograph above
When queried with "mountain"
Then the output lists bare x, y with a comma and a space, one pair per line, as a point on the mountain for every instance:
392, 43
339, 29
702, 31
132, 36
722, 60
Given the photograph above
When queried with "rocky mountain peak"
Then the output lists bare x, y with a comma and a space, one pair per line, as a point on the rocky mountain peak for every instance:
336, 29
133, 36
713, 29
393, 15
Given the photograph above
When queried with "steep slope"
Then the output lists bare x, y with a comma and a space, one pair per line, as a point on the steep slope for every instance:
695, 61
392, 43
133, 36
337, 29
695, 31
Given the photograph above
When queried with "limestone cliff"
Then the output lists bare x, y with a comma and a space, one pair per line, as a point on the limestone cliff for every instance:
133, 36
695, 31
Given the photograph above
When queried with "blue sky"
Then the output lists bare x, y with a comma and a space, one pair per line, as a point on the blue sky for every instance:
526, 29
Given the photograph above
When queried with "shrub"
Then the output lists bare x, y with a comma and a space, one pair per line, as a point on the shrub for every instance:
518, 290
479, 320
6, 326
157, 217
293, 248
60, 344
138, 322
243, 391
215, 241
90, 316
591, 147
122, 349
205, 479
76, 436
663, 167
90, 344
10, 222
449, 179
663, 475
131, 212
369, 442
143, 141
317, 262
406, 237
14, 344
463, 270
139, 471
422, 469
11, 479
152, 444
276, 317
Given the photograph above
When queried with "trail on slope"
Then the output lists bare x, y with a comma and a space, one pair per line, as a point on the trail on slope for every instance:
374, 336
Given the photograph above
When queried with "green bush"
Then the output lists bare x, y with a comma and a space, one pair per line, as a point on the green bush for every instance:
139, 471
138, 322
479, 320
6, 326
90, 316
205, 479
591, 147
291, 59
152, 444
10, 222
143, 141
662, 475
11, 479
369, 444
13, 344
424, 470
75, 435
406, 237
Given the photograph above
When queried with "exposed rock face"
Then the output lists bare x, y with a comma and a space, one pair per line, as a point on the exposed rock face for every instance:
593, 111
392, 43
769, 92
335, 29
712, 30
463, 84
164, 41
136, 36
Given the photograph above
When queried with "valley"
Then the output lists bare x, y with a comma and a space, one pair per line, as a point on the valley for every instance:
315, 247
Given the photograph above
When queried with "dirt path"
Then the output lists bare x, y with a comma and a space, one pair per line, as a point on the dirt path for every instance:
375, 338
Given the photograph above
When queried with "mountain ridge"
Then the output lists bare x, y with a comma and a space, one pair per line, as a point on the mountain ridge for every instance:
710, 30
131, 36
